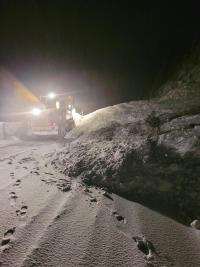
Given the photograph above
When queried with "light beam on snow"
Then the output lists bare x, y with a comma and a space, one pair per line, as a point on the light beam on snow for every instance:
76, 117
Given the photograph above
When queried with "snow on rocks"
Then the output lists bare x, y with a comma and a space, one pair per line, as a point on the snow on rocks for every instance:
181, 133
195, 224
124, 148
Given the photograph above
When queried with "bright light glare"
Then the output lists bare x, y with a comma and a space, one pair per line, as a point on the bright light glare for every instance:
74, 112
76, 117
57, 104
36, 111
51, 95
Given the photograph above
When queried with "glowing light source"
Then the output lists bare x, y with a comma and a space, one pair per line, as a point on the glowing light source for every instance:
51, 95
57, 104
36, 111
74, 112
76, 117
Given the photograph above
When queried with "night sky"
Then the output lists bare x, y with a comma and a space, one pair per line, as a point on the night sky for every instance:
105, 51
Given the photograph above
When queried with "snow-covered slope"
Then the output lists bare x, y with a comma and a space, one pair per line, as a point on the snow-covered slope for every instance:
148, 151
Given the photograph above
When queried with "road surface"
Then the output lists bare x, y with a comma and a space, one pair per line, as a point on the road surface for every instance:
46, 219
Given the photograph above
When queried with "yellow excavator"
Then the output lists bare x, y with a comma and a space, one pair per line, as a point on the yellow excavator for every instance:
45, 113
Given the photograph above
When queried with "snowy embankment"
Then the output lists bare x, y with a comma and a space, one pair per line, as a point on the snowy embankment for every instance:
147, 151
8, 131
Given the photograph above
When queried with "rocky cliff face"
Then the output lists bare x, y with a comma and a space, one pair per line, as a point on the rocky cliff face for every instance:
147, 151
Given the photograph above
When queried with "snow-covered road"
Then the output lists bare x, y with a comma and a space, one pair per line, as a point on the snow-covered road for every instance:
46, 219
45, 224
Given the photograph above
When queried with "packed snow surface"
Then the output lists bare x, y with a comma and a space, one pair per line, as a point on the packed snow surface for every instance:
47, 219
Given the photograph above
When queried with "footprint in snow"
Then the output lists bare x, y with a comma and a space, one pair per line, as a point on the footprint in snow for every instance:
120, 218
24, 167
12, 174
7, 238
24, 160
93, 199
36, 172
49, 173
17, 183
13, 197
49, 181
22, 214
87, 190
152, 257
145, 246
64, 185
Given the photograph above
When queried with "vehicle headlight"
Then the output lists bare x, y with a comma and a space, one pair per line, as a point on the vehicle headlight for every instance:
36, 111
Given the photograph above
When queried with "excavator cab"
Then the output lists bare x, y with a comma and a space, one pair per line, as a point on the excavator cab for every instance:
56, 116
65, 119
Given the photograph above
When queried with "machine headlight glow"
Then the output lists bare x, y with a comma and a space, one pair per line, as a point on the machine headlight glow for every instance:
57, 104
36, 111
51, 95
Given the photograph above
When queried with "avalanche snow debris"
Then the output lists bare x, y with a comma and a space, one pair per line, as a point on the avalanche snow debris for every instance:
195, 224
124, 148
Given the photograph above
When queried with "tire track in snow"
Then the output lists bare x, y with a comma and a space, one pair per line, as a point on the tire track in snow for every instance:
66, 240
27, 237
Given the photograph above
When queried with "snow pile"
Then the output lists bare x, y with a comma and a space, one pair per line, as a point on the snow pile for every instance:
148, 151
134, 150
102, 142
8, 129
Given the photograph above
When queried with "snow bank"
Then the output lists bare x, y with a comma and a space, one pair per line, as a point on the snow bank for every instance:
133, 149
148, 151
8, 129
123, 113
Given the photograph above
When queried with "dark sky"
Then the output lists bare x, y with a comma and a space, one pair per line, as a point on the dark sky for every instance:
112, 50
